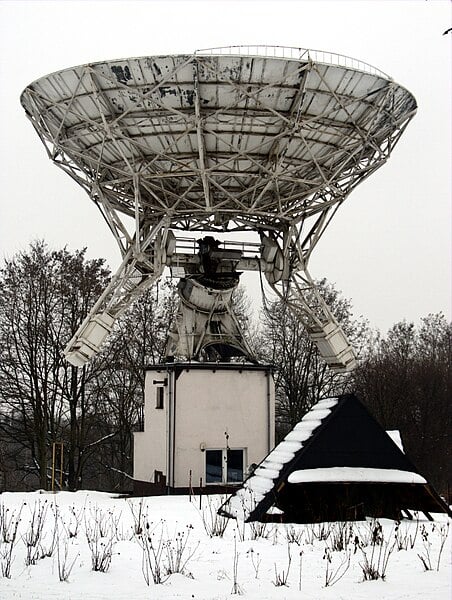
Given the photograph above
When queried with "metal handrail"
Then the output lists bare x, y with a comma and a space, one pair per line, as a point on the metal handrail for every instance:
321, 56
188, 245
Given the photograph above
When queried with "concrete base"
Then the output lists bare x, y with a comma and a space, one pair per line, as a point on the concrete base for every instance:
145, 488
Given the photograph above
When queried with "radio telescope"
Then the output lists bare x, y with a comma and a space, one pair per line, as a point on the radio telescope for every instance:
239, 139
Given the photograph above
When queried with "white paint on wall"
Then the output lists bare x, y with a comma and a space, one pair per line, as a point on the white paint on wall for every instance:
205, 407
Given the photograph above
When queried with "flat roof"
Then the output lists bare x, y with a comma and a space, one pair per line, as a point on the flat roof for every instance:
208, 366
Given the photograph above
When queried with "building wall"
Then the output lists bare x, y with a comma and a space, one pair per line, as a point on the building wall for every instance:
201, 405
150, 446
210, 404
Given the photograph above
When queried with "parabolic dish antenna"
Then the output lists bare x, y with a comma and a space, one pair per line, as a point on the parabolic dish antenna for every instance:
243, 138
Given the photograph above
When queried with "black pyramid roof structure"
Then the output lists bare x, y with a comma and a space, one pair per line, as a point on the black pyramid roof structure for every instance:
337, 463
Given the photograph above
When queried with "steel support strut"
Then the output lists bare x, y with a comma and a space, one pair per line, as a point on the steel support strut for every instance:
293, 284
134, 276
302, 298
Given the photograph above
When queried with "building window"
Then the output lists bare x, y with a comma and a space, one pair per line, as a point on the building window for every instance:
214, 466
159, 395
234, 466
159, 477
224, 466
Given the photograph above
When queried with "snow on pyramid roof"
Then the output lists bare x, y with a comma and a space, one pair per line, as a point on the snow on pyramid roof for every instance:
352, 474
396, 438
337, 443
254, 489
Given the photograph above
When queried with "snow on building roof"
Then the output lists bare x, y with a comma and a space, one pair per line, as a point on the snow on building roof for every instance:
244, 501
353, 474
396, 438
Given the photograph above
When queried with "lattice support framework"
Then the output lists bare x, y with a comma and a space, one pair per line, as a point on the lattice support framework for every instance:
264, 139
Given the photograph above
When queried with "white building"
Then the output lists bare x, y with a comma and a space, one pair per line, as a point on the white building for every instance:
205, 424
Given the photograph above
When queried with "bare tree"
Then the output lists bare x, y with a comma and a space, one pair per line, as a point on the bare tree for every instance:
302, 377
406, 380
139, 339
44, 296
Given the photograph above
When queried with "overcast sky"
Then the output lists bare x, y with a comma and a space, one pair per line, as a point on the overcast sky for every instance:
388, 248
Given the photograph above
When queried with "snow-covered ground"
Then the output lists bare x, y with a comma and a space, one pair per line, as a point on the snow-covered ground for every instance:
146, 538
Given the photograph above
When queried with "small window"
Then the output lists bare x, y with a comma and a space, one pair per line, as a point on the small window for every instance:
159, 477
159, 396
224, 466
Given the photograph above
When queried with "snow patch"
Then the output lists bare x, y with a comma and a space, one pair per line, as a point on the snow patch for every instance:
395, 437
326, 403
315, 414
354, 474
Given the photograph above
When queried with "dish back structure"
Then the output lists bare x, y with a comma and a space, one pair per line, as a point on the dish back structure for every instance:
263, 139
